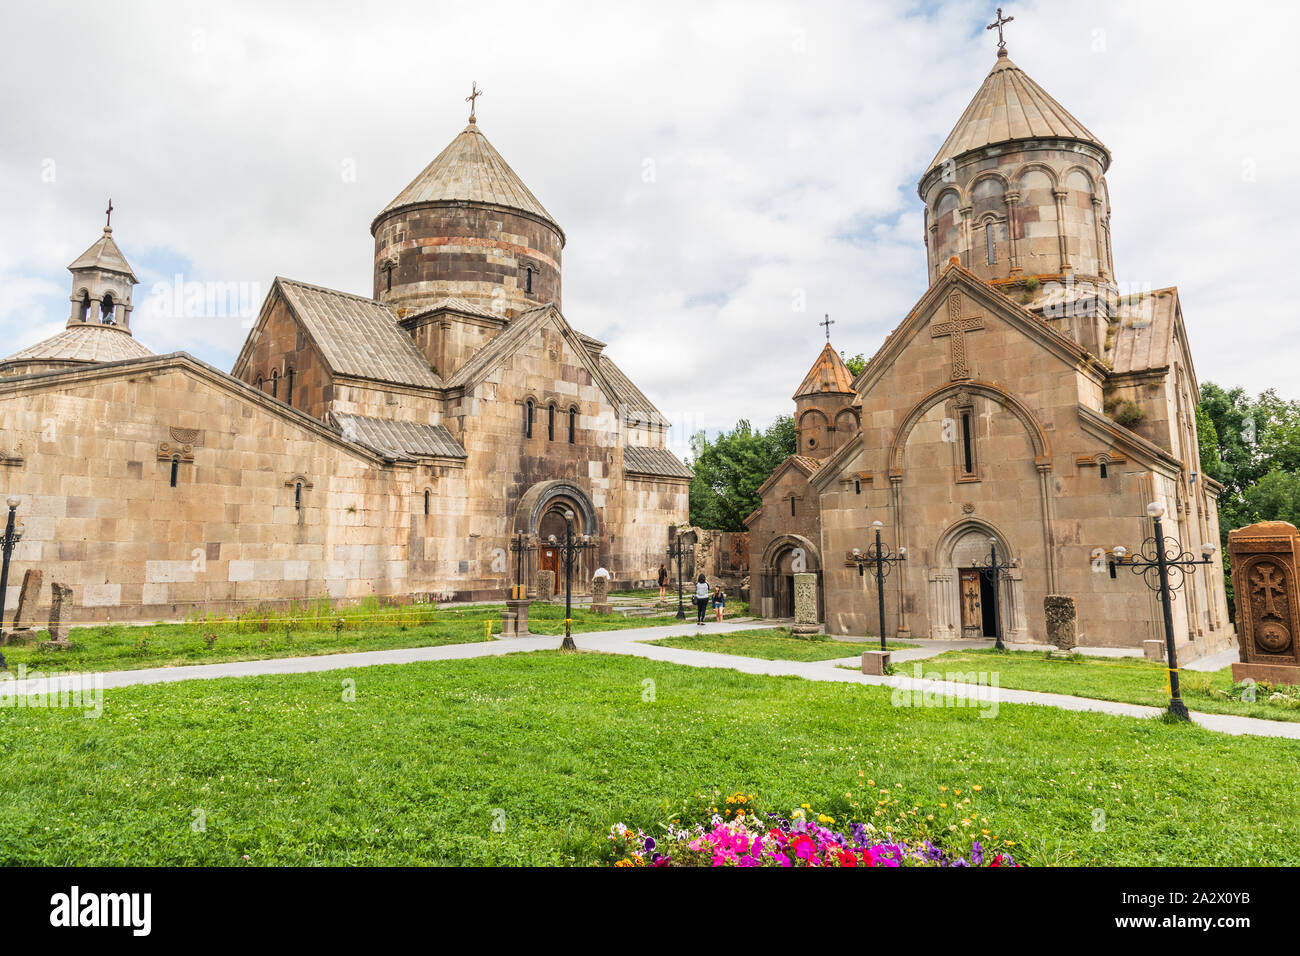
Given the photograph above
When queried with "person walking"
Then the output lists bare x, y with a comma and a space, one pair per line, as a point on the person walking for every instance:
701, 599
663, 583
719, 601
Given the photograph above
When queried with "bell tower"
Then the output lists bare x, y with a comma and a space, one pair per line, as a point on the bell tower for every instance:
102, 283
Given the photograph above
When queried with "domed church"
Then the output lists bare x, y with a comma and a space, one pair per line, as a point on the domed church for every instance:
1028, 405
393, 445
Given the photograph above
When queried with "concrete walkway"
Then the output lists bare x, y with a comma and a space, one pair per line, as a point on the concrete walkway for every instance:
910, 691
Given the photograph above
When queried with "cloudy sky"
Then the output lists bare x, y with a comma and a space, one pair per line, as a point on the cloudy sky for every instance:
725, 173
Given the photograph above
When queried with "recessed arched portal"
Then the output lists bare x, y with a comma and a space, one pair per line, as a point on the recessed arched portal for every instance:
962, 599
541, 514
786, 556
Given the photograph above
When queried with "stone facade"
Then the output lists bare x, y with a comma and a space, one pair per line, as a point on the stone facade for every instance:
392, 446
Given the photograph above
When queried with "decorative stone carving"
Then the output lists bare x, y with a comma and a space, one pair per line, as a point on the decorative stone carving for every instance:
805, 606
1265, 558
176, 450
1061, 621
184, 436
600, 595
545, 585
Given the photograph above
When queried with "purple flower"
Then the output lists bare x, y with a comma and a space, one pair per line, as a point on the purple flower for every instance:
976, 854
650, 844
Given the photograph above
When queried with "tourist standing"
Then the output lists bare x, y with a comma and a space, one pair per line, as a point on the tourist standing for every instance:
701, 599
663, 583
719, 601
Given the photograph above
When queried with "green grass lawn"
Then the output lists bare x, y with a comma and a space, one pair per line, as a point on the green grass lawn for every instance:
553, 748
305, 632
1126, 679
771, 644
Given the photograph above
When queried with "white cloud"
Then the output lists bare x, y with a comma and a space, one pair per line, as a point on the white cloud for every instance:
786, 141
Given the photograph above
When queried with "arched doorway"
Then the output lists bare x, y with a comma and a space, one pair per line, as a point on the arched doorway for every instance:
963, 603
786, 556
541, 514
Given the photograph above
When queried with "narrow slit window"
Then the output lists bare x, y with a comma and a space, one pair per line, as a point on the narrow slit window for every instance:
275, 382
297, 496
1103, 469
990, 252
426, 501
528, 280
288, 388
176, 468
857, 486
792, 507
573, 423
967, 443
528, 418
550, 423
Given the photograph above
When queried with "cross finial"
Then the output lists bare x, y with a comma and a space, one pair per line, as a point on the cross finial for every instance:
827, 322
997, 25
474, 93
108, 223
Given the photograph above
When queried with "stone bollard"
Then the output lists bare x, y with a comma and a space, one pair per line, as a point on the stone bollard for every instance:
515, 623
600, 595
805, 606
60, 595
875, 663
545, 585
1153, 650
1061, 633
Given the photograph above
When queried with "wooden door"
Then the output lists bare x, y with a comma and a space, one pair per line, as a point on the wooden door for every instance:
550, 561
972, 613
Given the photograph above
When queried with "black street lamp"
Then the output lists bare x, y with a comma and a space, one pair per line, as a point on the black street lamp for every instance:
1160, 557
12, 536
994, 571
675, 551
884, 559
520, 545
568, 549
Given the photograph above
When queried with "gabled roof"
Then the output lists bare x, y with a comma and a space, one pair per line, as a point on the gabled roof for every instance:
454, 303
828, 375
357, 336
659, 462
1010, 106
105, 256
470, 170
86, 344
399, 439
802, 463
1144, 336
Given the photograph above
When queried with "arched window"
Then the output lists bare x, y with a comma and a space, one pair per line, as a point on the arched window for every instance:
426, 501
528, 279
275, 382
176, 467
388, 268
297, 495
573, 423
260, 384
85, 307
990, 252
106, 309
550, 422
528, 418
288, 388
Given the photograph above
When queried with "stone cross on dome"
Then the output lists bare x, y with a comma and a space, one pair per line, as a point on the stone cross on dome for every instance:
474, 93
108, 223
997, 25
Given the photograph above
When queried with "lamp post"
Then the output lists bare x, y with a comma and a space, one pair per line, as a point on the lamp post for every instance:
520, 546
1160, 557
568, 549
993, 570
884, 559
12, 536
675, 550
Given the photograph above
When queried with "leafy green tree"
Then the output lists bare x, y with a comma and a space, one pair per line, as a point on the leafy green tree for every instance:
856, 364
730, 468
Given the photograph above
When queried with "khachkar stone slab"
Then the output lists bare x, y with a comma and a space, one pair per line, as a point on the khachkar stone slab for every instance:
1265, 558
545, 585
60, 612
805, 605
1062, 631
514, 623
600, 595
27, 598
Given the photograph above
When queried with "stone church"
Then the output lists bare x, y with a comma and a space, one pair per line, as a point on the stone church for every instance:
392, 445
1023, 403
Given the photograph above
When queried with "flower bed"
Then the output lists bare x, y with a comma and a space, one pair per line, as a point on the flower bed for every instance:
739, 834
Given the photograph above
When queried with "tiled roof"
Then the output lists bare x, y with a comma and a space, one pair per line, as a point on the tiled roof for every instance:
358, 336
1144, 336
398, 439
89, 343
805, 464
105, 255
455, 303
653, 461
470, 170
1010, 106
828, 374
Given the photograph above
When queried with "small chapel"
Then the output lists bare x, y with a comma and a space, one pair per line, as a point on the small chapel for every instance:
1024, 408
435, 439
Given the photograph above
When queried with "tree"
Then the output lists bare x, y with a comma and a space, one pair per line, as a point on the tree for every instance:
855, 365
730, 469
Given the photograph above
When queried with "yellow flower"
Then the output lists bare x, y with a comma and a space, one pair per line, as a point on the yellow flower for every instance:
977, 788
805, 806
624, 863
944, 805
942, 788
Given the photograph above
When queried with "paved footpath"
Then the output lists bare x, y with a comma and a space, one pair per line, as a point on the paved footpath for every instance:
633, 641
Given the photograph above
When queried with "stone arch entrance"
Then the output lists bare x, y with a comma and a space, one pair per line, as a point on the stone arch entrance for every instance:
539, 515
961, 597
786, 556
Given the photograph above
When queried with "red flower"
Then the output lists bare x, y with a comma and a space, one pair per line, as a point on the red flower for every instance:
848, 859
997, 860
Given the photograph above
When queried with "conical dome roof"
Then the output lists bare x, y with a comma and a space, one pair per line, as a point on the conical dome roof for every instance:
84, 344
828, 374
1010, 106
104, 255
470, 170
